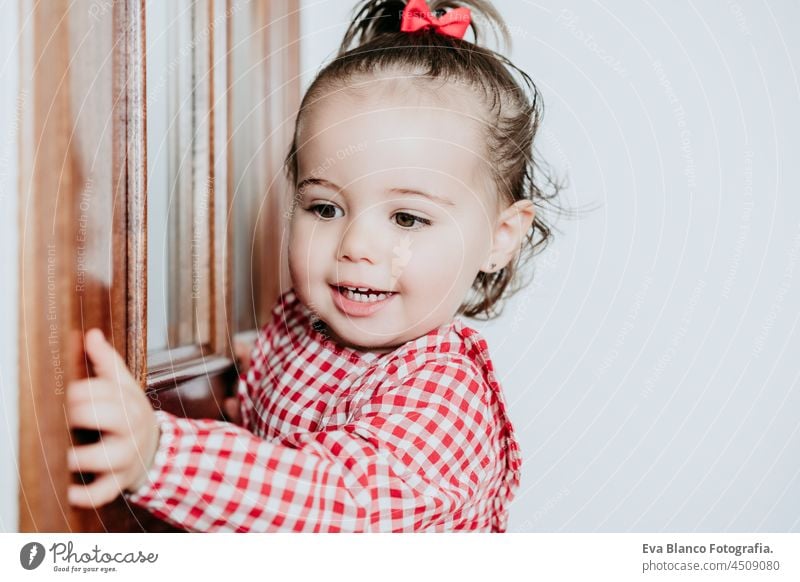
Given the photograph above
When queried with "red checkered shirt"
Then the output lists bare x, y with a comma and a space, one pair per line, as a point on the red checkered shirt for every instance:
336, 439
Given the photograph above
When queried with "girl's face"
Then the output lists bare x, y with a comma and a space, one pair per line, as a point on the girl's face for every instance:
392, 196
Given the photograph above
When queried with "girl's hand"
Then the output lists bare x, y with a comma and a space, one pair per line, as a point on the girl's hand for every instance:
113, 403
232, 411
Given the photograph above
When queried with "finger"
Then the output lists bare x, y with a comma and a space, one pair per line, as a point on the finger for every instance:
104, 489
89, 390
107, 362
233, 411
242, 351
78, 391
97, 415
100, 457
243, 345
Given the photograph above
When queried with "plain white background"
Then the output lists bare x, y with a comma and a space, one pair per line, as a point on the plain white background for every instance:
651, 369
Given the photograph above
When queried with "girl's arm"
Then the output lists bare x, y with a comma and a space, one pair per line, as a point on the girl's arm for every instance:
113, 403
414, 458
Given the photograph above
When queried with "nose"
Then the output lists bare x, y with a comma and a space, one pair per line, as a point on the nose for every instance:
359, 240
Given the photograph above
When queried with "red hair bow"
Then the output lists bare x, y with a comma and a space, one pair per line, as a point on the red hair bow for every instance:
418, 16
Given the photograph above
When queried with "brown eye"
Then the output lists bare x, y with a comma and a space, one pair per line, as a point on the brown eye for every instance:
407, 220
326, 211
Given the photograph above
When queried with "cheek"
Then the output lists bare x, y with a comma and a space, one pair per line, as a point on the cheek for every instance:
298, 250
456, 259
310, 247
435, 261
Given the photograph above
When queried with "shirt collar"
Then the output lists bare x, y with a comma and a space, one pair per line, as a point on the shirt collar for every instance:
444, 338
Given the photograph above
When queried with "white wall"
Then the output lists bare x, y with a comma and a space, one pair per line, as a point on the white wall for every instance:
651, 368
322, 26
9, 264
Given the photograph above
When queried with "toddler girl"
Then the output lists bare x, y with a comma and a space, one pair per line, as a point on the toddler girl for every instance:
369, 405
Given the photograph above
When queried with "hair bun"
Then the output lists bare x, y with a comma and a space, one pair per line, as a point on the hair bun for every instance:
374, 18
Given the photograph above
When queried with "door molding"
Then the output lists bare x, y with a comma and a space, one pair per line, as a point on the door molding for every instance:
73, 182
83, 226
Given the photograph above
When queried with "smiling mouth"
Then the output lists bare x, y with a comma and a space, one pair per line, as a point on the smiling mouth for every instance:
363, 294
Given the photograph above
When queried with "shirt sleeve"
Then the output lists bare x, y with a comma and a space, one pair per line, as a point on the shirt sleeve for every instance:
414, 458
259, 358
253, 375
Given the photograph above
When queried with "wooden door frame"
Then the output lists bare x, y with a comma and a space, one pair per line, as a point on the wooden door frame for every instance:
83, 174
68, 204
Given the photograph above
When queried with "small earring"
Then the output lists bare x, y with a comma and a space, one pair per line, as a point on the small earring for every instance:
493, 266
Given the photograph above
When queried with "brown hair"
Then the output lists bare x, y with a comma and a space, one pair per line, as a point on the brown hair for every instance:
373, 43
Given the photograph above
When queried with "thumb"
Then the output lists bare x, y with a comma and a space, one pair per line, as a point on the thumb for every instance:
232, 411
105, 359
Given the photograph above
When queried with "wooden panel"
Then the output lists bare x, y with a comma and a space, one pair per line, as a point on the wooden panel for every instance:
193, 380
202, 162
129, 21
264, 57
247, 94
83, 222
129, 254
185, 199
283, 82
70, 174
221, 227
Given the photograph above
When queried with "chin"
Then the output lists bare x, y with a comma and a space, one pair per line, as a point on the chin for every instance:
360, 336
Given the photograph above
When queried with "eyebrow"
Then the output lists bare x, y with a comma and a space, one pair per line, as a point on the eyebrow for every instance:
401, 191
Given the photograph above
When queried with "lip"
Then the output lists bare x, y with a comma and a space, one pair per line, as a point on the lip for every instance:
356, 308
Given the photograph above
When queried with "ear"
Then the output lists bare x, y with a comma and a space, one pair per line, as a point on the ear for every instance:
510, 229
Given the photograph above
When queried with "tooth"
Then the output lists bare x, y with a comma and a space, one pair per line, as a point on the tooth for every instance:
364, 297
